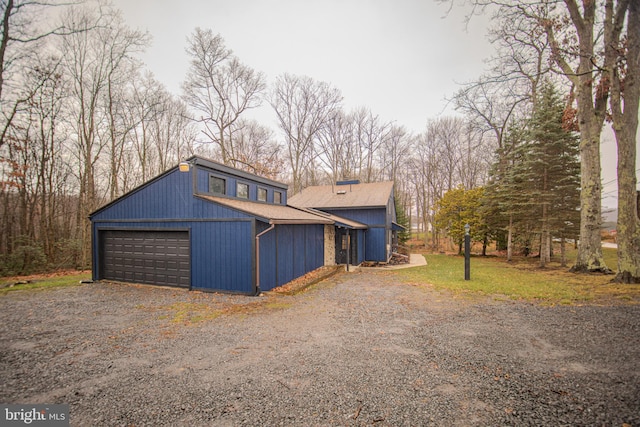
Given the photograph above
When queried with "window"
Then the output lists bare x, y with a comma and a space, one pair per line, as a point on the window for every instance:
217, 185
262, 194
242, 190
277, 197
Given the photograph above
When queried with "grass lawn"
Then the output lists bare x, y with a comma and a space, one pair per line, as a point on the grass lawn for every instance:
43, 281
522, 279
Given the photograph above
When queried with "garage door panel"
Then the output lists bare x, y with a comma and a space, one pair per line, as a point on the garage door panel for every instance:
155, 257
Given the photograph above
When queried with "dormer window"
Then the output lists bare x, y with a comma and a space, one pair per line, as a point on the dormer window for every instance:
242, 190
277, 197
217, 185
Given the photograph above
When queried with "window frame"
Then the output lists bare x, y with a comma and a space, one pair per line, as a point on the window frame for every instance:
219, 179
240, 184
262, 190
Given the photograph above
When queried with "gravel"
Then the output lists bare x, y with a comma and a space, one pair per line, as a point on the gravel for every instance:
356, 349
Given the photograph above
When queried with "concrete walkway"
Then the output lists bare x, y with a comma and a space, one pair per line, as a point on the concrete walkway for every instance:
415, 260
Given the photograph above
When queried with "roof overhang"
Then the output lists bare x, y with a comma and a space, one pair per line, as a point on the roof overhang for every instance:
338, 220
397, 227
269, 213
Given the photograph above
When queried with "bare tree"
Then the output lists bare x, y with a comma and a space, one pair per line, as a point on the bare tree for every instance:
92, 60
335, 146
395, 148
21, 36
219, 88
256, 150
625, 99
302, 106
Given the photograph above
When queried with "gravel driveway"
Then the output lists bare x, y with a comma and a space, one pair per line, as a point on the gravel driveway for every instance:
357, 349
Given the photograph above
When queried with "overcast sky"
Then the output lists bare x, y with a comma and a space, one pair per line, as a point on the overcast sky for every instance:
400, 58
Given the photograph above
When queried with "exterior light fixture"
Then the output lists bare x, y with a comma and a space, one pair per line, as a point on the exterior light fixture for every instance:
184, 166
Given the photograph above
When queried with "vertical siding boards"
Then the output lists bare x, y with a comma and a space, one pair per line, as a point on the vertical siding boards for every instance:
376, 244
361, 245
222, 256
285, 251
369, 216
167, 196
222, 240
222, 252
375, 237
202, 185
290, 251
268, 259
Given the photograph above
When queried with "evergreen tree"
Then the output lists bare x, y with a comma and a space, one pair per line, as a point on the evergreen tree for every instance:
403, 220
553, 170
501, 204
533, 192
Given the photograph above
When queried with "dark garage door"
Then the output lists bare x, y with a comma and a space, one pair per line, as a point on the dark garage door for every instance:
154, 257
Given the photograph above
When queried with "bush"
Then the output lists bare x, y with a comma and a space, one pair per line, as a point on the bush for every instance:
27, 257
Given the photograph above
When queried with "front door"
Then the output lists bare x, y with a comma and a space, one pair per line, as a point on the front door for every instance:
345, 240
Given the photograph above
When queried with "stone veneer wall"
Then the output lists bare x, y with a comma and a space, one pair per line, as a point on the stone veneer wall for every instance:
329, 245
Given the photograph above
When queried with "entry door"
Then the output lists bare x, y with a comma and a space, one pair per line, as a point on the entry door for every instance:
345, 241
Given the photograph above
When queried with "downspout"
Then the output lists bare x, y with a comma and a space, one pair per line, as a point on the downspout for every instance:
257, 289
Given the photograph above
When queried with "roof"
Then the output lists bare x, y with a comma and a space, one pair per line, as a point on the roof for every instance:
368, 195
235, 172
340, 221
273, 214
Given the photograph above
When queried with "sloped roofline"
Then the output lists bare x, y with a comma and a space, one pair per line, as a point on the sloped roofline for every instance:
201, 161
269, 213
195, 160
351, 196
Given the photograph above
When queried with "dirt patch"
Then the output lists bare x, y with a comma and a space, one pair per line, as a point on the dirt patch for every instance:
355, 349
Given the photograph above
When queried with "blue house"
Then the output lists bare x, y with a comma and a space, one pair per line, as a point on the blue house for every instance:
203, 225
206, 226
371, 209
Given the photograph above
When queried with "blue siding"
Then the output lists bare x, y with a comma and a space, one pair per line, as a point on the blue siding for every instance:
222, 256
202, 185
360, 236
285, 253
222, 240
268, 261
166, 197
222, 252
376, 246
377, 216
288, 252
375, 238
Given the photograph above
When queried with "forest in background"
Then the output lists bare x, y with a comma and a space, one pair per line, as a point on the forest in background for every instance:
84, 122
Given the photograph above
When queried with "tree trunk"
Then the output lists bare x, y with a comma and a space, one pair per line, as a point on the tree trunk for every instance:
563, 252
625, 126
590, 257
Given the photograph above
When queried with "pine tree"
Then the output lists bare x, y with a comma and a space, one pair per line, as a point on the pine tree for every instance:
552, 170
534, 187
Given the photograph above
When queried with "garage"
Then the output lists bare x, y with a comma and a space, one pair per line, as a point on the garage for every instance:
158, 257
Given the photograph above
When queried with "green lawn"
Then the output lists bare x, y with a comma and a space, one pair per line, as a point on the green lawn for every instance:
521, 279
43, 281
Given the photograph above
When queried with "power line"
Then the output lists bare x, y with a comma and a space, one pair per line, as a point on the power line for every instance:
615, 180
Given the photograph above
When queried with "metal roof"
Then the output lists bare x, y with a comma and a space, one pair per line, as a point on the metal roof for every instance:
368, 195
273, 214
